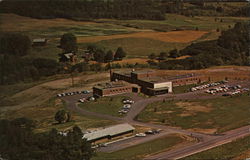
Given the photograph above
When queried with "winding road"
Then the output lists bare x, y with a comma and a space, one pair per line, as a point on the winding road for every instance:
205, 141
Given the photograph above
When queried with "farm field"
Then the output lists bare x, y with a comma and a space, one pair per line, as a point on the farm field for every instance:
105, 105
139, 151
54, 28
236, 150
139, 38
209, 115
174, 21
174, 36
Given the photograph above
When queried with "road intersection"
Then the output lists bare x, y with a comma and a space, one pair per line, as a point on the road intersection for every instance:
205, 141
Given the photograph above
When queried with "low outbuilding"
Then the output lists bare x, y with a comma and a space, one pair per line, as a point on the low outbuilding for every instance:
109, 132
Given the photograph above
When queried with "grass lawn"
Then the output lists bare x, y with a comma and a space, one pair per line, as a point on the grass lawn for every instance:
140, 151
227, 151
105, 105
221, 114
183, 89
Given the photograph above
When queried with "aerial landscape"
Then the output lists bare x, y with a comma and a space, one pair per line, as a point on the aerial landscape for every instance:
124, 79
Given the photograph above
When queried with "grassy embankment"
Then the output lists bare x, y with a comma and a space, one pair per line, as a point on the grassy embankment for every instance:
236, 150
139, 151
37, 101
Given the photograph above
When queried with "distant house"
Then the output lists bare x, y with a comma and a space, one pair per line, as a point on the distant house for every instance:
39, 42
87, 55
68, 57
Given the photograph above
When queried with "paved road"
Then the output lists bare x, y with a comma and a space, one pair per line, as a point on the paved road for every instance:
202, 146
206, 141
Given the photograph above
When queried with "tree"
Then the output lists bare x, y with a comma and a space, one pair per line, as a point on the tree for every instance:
152, 56
15, 44
62, 116
163, 55
68, 43
173, 53
99, 55
18, 141
119, 54
109, 57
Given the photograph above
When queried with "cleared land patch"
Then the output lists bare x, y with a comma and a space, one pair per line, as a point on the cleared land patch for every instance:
218, 114
174, 36
140, 47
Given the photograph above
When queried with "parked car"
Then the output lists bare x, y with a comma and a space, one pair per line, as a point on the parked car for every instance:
85, 92
126, 106
82, 100
149, 132
127, 101
103, 145
141, 135
91, 98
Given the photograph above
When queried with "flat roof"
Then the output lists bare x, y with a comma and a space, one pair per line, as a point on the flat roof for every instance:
114, 84
39, 40
156, 79
109, 131
142, 71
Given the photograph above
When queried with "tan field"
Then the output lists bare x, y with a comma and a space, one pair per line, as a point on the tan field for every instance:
174, 36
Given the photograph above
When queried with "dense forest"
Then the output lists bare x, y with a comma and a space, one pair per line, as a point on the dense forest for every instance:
118, 9
205, 8
232, 48
85, 9
18, 141
15, 67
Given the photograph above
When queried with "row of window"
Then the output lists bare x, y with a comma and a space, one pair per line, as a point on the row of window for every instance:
121, 90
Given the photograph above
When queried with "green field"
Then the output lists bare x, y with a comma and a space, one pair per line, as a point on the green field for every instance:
226, 151
105, 105
174, 21
144, 46
221, 114
139, 151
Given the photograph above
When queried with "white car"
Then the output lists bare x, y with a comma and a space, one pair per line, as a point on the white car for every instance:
127, 106
141, 135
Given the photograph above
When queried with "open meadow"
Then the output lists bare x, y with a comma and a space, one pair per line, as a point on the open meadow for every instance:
208, 115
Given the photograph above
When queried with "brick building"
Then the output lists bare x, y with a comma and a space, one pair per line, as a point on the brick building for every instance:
152, 83
114, 88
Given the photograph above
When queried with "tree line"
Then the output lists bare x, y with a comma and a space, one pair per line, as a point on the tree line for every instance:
231, 48
85, 9
18, 141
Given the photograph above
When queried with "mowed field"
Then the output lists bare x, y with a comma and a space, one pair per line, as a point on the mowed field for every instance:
174, 36
207, 116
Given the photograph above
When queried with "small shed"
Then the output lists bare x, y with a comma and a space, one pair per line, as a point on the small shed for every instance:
39, 42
